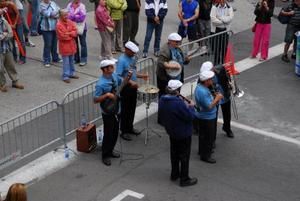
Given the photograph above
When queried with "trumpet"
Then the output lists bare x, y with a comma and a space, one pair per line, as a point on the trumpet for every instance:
232, 81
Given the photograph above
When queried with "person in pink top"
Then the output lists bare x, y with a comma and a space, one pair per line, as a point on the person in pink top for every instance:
105, 25
77, 13
66, 33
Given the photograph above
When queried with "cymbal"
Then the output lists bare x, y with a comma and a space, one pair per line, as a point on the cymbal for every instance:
148, 89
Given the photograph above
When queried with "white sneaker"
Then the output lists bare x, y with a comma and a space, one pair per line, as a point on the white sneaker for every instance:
29, 44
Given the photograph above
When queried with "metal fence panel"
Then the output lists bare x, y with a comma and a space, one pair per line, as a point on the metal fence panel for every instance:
29, 132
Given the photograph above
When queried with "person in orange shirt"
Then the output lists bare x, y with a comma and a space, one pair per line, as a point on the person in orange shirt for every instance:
66, 33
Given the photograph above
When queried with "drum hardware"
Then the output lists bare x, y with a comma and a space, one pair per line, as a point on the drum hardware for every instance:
174, 72
148, 90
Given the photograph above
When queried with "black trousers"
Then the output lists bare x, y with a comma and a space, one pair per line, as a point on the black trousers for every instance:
207, 132
226, 112
180, 150
111, 130
219, 46
128, 105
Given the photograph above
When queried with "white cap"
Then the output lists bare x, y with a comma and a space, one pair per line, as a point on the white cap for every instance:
206, 66
106, 62
174, 37
205, 75
130, 45
174, 84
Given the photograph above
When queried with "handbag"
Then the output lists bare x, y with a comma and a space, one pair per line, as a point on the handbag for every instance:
109, 29
254, 27
80, 27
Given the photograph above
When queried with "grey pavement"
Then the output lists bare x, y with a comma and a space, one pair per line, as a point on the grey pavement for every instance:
249, 167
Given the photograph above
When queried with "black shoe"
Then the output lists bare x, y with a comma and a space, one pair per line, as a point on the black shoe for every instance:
174, 177
115, 155
126, 136
208, 160
229, 133
135, 132
285, 58
106, 161
188, 182
293, 56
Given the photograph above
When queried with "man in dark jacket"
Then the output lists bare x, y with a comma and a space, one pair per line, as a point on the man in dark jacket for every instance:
156, 11
131, 21
177, 116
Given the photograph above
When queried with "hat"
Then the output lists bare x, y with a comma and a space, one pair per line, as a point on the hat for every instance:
205, 75
206, 66
106, 62
174, 37
130, 45
174, 84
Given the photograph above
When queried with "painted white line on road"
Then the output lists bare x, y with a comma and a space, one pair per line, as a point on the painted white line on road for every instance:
126, 193
262, 132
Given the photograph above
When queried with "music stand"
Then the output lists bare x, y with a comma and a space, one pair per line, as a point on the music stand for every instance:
148, 91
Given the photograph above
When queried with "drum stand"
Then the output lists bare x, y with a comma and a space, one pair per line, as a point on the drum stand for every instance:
148, 129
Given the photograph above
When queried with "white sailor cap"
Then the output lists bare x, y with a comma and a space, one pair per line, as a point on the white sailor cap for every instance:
174, 84
106, 62
205, 75
206, 66
174, 37
133, 47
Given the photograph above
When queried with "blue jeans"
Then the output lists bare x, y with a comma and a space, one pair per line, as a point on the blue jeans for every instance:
50, 47
150, 28
81, 56
35, 15
68, 67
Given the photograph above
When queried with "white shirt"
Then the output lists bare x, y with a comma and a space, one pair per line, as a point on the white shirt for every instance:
156, 4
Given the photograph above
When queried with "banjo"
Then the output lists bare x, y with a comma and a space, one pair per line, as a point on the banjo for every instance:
175, 72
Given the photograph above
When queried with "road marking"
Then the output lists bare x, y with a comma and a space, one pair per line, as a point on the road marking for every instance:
262, 132
126, 193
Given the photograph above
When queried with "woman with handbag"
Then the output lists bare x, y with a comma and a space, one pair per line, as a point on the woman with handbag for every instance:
105, 26
77, 13
262, 30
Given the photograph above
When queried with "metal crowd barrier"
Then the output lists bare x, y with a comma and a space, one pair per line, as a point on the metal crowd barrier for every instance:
210, 48
29, 132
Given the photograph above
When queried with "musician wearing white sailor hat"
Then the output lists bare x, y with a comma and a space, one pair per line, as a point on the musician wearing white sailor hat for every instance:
106, 94
177, 116
221, 83
206, 115
126, 63
170, 63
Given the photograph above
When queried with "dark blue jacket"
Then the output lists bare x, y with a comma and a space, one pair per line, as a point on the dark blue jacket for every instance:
176, 116
150, 10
